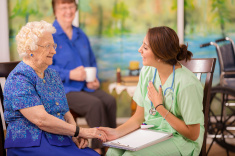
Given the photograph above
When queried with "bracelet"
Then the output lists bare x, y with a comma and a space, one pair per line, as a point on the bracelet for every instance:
166, 115
158, 105
77, 131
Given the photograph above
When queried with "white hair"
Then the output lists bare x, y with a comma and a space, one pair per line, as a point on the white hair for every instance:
29, 34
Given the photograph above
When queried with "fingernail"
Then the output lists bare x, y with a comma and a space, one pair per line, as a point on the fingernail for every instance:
160, 86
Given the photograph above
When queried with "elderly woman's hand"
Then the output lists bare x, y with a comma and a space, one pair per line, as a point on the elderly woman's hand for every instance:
154, 95
93, 85
80, 142
78, 74
110, 132
90, 133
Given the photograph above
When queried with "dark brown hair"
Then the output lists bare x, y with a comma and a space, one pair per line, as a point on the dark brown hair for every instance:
164, 43
54, 2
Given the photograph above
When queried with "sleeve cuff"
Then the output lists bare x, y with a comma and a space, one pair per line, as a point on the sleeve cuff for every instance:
65, 76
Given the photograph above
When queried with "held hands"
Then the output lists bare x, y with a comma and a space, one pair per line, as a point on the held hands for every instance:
110, 132
153, 95
102, 133
90, 133
78, 74
93, 85
80, 142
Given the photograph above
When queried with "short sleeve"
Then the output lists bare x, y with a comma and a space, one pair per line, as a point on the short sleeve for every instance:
19, 92
190, 104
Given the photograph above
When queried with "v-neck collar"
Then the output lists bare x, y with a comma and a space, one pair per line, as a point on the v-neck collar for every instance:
168, 80
60, 31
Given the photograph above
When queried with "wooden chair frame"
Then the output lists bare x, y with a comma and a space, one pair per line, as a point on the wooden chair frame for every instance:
206, 66
5, 69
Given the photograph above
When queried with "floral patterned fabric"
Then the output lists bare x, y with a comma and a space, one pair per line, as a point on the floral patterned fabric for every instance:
25, 89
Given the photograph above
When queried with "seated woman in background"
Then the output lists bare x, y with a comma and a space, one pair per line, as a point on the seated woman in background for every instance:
73, 54
168, 96
36, 108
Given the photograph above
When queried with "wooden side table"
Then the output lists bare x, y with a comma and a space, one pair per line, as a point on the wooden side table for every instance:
130, 90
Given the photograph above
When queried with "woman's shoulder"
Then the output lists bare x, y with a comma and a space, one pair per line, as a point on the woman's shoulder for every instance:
21, 75
22, 70
186, 78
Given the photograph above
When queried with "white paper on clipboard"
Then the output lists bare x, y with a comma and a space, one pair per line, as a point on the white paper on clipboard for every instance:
139, 139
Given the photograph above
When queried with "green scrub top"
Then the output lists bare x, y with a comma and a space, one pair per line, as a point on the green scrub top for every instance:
187, 105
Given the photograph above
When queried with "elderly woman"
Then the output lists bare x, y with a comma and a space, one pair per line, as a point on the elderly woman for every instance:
36, 109
72, 55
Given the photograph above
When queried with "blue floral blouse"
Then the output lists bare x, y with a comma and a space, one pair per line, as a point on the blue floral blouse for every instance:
24, 89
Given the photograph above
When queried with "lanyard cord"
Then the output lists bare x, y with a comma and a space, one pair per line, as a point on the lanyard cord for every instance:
168, 87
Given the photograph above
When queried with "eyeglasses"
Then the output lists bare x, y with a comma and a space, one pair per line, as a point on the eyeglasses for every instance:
67, 8
49, 46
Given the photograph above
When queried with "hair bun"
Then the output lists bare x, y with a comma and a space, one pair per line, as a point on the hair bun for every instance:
184, 48
184, 53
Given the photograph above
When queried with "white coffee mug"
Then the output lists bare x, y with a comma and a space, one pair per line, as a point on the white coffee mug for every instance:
90, 74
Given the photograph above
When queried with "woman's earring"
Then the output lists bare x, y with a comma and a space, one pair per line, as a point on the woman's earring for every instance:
31, 55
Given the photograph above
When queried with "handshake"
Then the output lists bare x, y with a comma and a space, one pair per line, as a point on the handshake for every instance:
102, 133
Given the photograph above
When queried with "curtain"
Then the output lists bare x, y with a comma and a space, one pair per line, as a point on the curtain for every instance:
4, 39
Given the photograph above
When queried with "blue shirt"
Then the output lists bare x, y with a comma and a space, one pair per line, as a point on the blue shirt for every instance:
25, 89
71, 54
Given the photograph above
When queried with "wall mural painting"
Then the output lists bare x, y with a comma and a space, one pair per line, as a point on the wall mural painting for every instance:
206, 21
116, 29
23, 11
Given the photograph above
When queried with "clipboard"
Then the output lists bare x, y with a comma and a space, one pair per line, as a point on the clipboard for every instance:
139, 139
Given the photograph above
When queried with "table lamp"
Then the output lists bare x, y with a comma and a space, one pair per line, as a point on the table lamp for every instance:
134, 66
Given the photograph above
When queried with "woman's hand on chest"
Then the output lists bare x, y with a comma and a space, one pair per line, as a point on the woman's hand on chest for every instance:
154, 95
